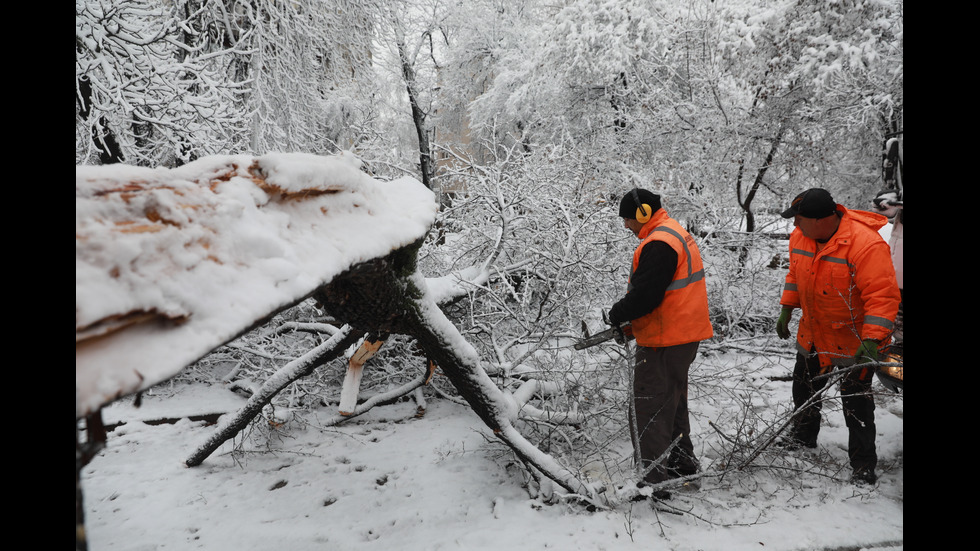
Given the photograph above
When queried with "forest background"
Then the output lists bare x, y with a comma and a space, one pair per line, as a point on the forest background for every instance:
529, 119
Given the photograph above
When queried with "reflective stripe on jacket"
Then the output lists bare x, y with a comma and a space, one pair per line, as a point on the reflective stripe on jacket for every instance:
846, 290
682, 317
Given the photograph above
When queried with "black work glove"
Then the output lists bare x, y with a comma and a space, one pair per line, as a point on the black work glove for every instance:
608, 319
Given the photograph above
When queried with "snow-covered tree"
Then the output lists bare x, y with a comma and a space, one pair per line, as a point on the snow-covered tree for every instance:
162, 83
152, 85
311, 75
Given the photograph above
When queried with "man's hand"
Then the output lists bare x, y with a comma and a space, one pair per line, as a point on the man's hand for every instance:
607, 318
888, 202
620, 336
867, 352
782, 324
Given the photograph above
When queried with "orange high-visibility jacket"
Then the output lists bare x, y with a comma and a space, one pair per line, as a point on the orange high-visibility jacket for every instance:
846, 290
682, 317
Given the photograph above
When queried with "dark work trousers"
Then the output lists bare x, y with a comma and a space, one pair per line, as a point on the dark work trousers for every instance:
859, 410
660, 389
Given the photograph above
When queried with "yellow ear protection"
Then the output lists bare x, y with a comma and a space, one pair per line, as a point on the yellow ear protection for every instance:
643, 212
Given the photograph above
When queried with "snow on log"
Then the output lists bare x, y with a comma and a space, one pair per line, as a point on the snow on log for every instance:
172, 263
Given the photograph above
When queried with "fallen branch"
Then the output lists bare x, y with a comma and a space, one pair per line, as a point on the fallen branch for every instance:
381, 399
292, 371
528, 390
818, 395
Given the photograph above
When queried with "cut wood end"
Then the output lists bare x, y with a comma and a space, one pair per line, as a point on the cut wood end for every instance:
365, 352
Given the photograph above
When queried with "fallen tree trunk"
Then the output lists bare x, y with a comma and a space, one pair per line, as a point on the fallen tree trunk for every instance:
388, 295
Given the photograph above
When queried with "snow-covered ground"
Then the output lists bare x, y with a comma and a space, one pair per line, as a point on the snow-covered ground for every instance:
394, 481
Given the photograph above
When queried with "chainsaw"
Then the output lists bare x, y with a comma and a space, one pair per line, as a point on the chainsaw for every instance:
616, 332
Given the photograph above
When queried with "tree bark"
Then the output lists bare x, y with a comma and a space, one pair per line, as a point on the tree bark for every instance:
746, 202
102, 136
418, 117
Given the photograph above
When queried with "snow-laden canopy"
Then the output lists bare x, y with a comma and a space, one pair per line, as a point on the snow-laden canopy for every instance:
172, 263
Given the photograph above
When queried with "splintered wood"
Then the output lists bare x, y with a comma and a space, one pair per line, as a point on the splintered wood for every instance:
152, 214
352, 380
138, 214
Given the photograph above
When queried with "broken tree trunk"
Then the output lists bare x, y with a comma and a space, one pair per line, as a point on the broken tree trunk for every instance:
352, 379
388, 295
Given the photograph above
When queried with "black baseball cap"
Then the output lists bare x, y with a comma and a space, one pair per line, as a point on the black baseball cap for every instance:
812, 203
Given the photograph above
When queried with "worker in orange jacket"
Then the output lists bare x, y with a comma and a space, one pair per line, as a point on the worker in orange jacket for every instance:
666, 303
842, 278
